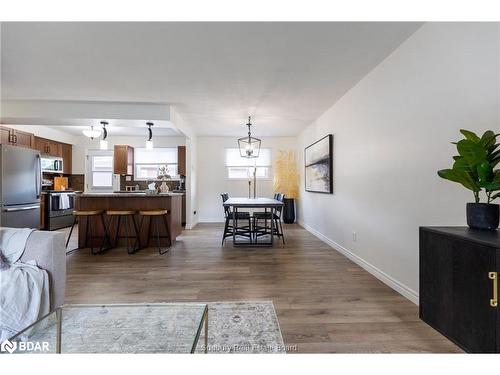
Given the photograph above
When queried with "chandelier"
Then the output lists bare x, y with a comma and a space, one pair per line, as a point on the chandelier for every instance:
249, 146
92, 133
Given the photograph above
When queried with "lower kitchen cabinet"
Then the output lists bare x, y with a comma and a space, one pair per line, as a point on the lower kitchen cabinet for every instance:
459, 285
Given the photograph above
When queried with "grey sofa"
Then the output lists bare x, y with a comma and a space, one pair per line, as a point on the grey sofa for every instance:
47, 249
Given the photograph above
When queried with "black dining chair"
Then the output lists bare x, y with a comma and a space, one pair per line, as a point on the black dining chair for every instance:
243, 230
278, 226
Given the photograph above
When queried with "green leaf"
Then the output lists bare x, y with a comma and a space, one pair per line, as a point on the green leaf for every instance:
485, 173
470, 135
494, 158
462, 165
474, 153
488, 137
492, 186
460, 177
493, 147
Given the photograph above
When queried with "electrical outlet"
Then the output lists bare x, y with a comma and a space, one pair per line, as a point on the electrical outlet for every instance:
128, 178
354, 236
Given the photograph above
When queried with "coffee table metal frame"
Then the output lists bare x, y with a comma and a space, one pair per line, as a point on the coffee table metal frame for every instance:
58, 312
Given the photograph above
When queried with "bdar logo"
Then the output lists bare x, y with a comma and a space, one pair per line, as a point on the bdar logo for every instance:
8, 346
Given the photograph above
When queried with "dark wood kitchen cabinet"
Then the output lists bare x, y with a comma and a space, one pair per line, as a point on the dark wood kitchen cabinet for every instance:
23, 139
48, 147
40, 145
67, 155
43, 206
56, 149
123, 160
459, 285
181, 160
4, 135
16, 137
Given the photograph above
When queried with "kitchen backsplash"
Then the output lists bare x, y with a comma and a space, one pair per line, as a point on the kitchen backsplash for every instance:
76, 182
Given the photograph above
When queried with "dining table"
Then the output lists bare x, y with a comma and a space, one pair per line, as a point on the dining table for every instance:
237, 203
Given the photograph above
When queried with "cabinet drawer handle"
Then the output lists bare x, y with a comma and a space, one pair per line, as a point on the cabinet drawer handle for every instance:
494, 276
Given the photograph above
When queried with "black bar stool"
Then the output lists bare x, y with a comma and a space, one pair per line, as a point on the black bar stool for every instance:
157, 216
129, 218
89, 231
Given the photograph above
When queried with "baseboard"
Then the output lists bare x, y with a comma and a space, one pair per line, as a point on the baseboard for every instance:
379, 274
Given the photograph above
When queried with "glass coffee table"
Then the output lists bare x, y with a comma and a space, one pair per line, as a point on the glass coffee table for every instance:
117, 328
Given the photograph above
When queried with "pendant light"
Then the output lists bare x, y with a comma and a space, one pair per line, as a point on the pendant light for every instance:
104, 143
92, 133
149, 142
249, 146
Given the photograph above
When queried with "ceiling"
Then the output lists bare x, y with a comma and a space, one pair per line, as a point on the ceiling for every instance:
215, 74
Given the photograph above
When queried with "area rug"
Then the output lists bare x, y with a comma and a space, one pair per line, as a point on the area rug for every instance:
233, 327
243, 327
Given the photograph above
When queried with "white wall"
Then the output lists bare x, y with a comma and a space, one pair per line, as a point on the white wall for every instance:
392, 132
212, 179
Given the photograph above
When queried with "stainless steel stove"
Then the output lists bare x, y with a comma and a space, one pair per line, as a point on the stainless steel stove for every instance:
59, 209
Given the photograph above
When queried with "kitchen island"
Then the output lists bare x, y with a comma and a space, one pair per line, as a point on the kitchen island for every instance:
130, 201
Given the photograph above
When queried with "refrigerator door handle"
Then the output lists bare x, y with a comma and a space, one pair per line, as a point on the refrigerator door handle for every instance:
38, 180
20, 208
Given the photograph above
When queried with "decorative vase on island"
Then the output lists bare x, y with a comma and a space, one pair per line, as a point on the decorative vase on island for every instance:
289, 210
483, 216
164, 187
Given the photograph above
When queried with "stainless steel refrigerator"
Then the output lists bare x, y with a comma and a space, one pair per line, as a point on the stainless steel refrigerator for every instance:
20, 187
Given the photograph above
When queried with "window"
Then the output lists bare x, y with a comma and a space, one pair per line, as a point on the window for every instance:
239, 168
100, 170
149, 162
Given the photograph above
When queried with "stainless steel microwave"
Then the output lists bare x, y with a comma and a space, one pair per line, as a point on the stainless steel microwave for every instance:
52, 164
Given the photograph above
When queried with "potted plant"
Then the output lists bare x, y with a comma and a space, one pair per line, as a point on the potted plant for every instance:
286, 181
474, 168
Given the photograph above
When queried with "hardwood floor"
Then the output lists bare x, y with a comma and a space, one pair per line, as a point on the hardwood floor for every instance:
324, 302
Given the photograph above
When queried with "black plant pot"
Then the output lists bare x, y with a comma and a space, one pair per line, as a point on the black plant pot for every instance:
482, 216
289, 211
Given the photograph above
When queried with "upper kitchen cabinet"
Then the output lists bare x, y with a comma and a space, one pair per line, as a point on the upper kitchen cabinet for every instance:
57, 149
4, 135
181, 160
67, 155
17, 137
40, 145
48, 147
23, 139
123, 160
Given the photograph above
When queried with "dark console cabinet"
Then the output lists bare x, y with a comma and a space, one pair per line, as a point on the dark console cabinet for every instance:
458, 285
